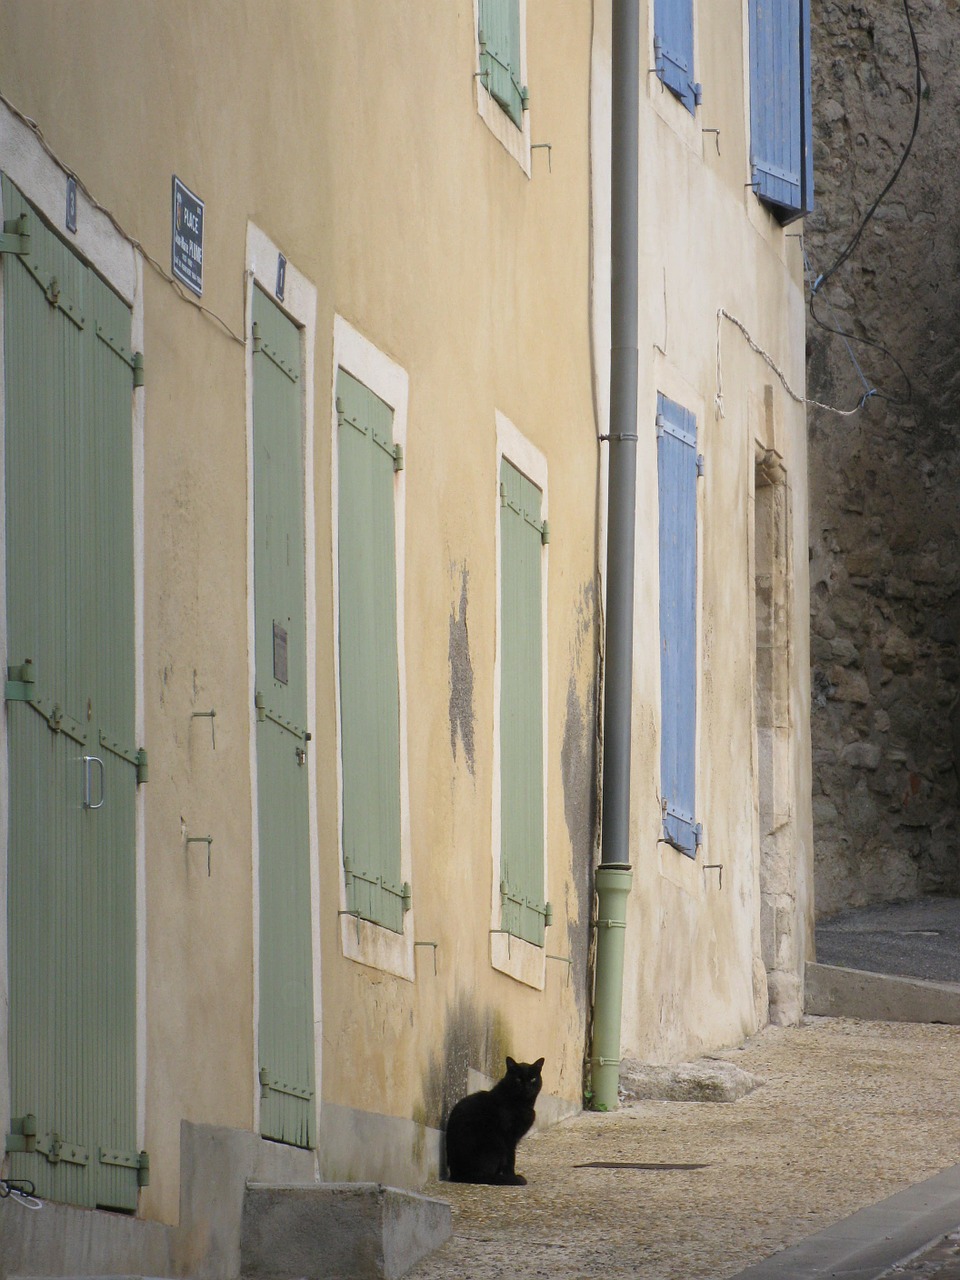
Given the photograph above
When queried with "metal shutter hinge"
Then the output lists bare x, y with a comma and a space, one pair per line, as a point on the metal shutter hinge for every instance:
139, 1160
23, 1133
21, 682
57, 1149
268, 1085
15, 237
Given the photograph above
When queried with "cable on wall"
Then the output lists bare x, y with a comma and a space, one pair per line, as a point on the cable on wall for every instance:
754, 346
854, 240
864, 341
131, 240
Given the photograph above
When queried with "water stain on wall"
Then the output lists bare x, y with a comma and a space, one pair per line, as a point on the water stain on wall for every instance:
578, 765
474, 1037
461, 676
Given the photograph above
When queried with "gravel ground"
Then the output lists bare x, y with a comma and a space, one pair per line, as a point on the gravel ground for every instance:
849, 1113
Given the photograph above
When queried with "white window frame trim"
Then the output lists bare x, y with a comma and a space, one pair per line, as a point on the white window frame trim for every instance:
514, 956
362, 940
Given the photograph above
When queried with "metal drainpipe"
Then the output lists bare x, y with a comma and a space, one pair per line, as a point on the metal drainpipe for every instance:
614, 876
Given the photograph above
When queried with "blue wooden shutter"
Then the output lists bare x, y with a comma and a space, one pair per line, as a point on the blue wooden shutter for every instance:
673, 48
677, 477
781, 143
499, 29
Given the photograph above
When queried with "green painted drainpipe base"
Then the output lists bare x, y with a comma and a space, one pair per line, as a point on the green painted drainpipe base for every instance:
614, 881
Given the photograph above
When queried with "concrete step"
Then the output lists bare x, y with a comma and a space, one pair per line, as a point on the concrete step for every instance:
834, 992
337, 1231
64, 1241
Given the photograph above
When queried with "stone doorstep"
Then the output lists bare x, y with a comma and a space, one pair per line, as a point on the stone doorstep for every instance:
707, 1080
337, 1231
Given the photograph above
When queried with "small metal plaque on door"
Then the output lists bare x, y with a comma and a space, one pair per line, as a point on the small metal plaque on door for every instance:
279, 653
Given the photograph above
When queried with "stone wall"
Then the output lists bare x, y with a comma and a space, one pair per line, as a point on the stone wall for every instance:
885, 483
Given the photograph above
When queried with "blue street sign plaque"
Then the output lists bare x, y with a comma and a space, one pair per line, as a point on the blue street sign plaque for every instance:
71, 216
187, 248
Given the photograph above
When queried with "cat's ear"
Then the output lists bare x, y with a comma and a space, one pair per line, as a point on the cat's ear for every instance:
538, 1064
510, 1063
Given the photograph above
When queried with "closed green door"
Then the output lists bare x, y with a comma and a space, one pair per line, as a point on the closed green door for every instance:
287, 1111
73, 763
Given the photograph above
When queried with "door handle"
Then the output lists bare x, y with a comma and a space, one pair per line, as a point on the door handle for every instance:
87, 790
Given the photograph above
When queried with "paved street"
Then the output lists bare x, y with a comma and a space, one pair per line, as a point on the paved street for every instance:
849, 1114
939, 1262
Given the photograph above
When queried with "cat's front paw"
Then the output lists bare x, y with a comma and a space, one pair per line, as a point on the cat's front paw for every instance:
518, 1180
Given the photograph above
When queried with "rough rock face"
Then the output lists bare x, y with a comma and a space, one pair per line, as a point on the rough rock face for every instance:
885, 483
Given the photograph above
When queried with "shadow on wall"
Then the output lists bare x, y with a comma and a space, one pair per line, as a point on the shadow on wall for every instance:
474, 1038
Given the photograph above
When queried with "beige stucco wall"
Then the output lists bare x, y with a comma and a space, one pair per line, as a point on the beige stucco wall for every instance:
348, 134
694, 972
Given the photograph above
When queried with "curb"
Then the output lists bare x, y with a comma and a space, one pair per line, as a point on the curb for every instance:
866, 1245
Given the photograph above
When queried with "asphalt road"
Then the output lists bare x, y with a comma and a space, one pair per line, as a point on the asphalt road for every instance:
918, 939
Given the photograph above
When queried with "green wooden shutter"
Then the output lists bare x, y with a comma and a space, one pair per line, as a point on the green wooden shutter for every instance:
369, 668
499, 29
68, 384
287, 1074
521, 707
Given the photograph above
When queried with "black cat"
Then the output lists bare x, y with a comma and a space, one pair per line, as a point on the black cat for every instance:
484, 1128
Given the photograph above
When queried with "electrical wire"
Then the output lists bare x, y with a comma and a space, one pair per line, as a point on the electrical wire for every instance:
854, 240
131, 240
21, 1190
849, 337
723, 314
